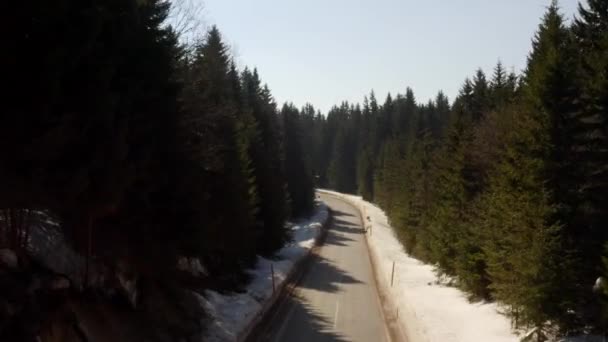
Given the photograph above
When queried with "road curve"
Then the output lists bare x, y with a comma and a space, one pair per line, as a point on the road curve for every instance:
336, 298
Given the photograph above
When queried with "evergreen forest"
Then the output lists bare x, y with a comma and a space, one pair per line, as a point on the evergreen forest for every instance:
146, 148
505, 188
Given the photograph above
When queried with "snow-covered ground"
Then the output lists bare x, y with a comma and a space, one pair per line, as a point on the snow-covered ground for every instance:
231, 315
427, 311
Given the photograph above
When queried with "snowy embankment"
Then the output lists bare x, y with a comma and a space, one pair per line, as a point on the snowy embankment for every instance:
426, 310
232, 316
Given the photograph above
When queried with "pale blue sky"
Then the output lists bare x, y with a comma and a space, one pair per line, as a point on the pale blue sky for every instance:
327, 51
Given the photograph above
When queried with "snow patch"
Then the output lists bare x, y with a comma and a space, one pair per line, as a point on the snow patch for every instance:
231, 315
192, 266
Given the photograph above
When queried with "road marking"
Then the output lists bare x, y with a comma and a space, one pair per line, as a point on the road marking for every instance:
336, 313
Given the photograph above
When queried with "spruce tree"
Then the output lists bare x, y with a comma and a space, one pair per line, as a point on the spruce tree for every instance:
480, 101
365, 174
267, 162
342, 169
442, 112
447, 216
365, 155
299, 177
501, 88
88, 126
217, 143
412, 200
552, 90
522, 244
405, 118
591, 34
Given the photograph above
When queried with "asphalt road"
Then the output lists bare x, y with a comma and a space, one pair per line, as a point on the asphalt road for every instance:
336, 298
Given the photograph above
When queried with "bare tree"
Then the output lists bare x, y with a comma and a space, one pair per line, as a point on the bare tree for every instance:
186, 18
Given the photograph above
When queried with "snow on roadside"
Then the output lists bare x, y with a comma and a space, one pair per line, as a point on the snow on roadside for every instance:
230, 315
428, 312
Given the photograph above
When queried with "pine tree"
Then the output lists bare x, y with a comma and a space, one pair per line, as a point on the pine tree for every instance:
591, 137
442, 108
247, 139
591, 31
522, 245
299, 177
217, 143
365, 174
527, 210
87, 126
480, 101
412, 200
552, 90
374, 135
501, 87
386, 183
342, 169
317, 150
267, 161
385, 119
365, 155
447, 215
406, 115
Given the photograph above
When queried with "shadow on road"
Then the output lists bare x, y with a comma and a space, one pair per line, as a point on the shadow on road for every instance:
295, 320
336, 239
308, 324
346, 227
327, 277
338, 213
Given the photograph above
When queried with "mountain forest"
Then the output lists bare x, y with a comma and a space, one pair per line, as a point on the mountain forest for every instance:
505, 189
139, 149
